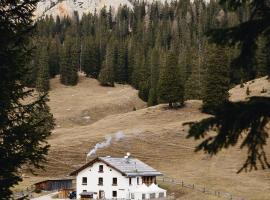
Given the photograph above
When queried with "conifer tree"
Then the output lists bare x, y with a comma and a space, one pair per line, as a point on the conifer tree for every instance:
69, 63
89, 59
54, 57
170, 88
261, 57
30, 75
139, 63
121, 68
144, 78
217, 83
43, 77
195, 82
24, 126
106, 75
154, 75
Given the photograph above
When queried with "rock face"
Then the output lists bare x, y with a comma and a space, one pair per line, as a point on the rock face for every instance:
64, 8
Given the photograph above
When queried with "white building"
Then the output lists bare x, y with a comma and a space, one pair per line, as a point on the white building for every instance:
117, 178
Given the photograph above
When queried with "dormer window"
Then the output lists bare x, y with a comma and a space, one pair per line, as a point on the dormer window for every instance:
84, 180
100, 169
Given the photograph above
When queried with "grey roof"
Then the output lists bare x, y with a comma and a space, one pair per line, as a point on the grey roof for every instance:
131, 167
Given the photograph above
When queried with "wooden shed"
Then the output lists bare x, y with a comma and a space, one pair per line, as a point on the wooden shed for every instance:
54, 184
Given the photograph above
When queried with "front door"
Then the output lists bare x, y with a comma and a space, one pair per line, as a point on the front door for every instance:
101, 194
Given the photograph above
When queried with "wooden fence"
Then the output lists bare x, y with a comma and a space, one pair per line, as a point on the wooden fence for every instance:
202, 189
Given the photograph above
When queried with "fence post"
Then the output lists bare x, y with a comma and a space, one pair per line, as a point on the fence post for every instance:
193, 186
204, 190
182, 183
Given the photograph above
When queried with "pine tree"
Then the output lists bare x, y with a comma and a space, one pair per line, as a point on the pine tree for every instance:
43, 77
90, 55
121, 68
24, 126
54, 57
106, 75
170, 88
261, 57
247, 91
195, 82
216, 91
154, 75
144, 78
69, 62
30, 75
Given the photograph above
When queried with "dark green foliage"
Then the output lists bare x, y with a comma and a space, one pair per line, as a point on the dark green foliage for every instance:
247, 91
170, 88
69, 62
154, 76
24, 127
106, 75
243, 122
263, 90
242, 84
43, 76
90, 57
217, 79
121, 64
252, 27
136, 34
261, 58
29, 78
54, 57
194, 85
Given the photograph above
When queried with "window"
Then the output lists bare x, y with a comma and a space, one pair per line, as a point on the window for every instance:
84, 180
130, 181
132, 196
114, 193
143, 196
100, 169
114, 181
84, 190
138, 181
100, 181
152, 196
161, 195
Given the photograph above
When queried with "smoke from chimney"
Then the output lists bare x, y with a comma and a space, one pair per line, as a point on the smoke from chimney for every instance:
108, 141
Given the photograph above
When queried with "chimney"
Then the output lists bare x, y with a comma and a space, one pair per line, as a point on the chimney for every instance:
127, 157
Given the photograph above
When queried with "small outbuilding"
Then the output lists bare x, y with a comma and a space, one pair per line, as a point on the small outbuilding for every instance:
54, 184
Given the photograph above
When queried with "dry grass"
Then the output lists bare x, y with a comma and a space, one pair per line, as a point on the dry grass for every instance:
255, 87
155, 135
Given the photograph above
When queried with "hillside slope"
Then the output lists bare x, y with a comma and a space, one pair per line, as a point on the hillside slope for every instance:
256, 88
88, 114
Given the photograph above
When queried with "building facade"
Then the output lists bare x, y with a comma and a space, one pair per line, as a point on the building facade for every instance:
115, 178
